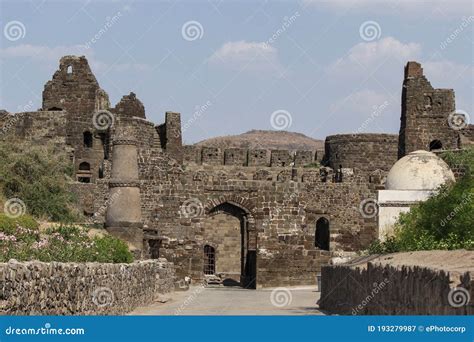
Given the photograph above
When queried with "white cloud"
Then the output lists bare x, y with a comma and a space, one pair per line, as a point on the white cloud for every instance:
446, 74
363, 101
371, 55
49, 57
43, 53
251, 55
402, 7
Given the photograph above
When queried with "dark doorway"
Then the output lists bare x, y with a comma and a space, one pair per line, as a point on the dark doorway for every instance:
322, 234
209, 260
87, 137
436, 145
154, 247
246, 272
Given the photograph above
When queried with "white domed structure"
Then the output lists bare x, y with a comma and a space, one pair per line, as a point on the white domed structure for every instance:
419, 170
414, 178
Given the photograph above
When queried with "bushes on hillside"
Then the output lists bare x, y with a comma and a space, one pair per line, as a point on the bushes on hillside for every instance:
38, 176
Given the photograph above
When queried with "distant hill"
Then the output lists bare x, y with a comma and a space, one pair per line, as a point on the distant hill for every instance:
253, 139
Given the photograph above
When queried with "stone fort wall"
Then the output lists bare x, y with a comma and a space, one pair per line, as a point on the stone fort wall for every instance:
267, 204
368, 152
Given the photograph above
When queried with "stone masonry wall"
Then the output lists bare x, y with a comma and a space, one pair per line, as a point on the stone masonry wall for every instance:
363, 151
196, 155
425, 113
38, 288
283, 206
388, 290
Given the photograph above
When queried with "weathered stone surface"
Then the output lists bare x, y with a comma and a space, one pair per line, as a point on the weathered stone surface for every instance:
273, 198
377, 289
38, 288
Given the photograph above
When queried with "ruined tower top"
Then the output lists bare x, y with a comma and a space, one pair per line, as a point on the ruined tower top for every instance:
130, 106
74, 88
413, 69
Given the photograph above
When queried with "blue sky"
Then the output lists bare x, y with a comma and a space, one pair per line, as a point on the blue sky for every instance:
326, 67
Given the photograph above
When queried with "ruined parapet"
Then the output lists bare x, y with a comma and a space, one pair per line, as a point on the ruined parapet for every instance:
171, 137
258, 157
281, 158
124, 218
130, 106
303, 158
425, 114
211, 156
74, 88
367, 152
191, 154
235, 156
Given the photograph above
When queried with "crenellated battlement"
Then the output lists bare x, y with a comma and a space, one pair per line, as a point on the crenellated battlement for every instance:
197, 155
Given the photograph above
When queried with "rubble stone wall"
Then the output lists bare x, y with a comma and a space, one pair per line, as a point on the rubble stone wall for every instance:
38, 288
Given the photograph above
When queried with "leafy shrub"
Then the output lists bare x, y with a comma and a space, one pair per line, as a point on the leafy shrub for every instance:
38, 176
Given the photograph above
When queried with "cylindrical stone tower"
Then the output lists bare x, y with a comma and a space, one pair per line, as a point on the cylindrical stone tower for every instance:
124, 218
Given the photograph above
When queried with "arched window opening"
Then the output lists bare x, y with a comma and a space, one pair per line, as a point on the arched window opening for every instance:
54, 109
69, 69
436, 145
322, 234
209, 260
87, 139
428, 101
84, 166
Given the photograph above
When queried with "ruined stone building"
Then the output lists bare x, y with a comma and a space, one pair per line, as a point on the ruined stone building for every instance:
252, 217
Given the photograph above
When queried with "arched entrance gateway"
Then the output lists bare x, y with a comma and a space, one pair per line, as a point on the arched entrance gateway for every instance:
229, 245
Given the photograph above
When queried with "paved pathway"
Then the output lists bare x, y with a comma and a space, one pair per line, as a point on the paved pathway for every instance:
236, 301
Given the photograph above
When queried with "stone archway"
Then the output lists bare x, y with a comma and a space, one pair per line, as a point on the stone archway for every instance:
230, 229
